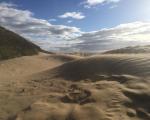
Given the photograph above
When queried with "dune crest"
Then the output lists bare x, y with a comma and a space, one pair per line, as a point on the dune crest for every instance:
105, 67
64, 87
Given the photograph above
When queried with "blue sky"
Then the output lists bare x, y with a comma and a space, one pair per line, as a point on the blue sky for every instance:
100, 16
79, 18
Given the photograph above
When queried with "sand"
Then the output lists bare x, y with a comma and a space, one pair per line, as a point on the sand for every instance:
69, 87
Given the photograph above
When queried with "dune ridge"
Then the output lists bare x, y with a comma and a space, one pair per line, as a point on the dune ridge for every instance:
130, 50
97, 67
66, 87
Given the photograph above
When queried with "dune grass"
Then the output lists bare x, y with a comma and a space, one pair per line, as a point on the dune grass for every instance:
13, 45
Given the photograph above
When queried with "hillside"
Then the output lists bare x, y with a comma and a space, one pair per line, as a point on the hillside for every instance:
13, 45
131, 50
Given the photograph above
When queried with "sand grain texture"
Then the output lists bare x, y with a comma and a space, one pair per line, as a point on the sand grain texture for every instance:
67, 87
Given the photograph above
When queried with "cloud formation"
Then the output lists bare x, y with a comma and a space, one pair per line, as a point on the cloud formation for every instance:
68, 39
52, 20
74, 15
136, 33
24, 23
69, 21
90, 3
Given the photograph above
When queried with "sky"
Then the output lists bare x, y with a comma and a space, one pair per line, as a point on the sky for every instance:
79, 25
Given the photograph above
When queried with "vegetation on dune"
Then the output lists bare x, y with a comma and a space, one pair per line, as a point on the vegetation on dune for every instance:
13, 45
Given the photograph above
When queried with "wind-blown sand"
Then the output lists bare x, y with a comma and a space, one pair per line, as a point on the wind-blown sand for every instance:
67, 87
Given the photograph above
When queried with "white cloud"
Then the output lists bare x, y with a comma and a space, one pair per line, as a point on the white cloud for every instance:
74, 15
8, 4
52, 20
65, 38
113, 6
90, 3
24, 23
69, 21
136, 33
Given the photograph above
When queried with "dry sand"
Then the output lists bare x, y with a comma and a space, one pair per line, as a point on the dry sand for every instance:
67, 87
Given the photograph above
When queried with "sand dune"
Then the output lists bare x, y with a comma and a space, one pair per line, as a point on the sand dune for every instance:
65, 57
29, 65
26, 65
131, 50
99, 67
66, 87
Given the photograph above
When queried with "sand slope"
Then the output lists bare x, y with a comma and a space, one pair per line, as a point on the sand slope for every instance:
131, 50
64, 87
98, 67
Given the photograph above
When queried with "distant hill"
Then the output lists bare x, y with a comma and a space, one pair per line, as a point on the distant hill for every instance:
13, 45
131, 50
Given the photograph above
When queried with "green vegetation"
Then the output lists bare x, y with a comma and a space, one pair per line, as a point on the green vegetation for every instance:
13, 45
